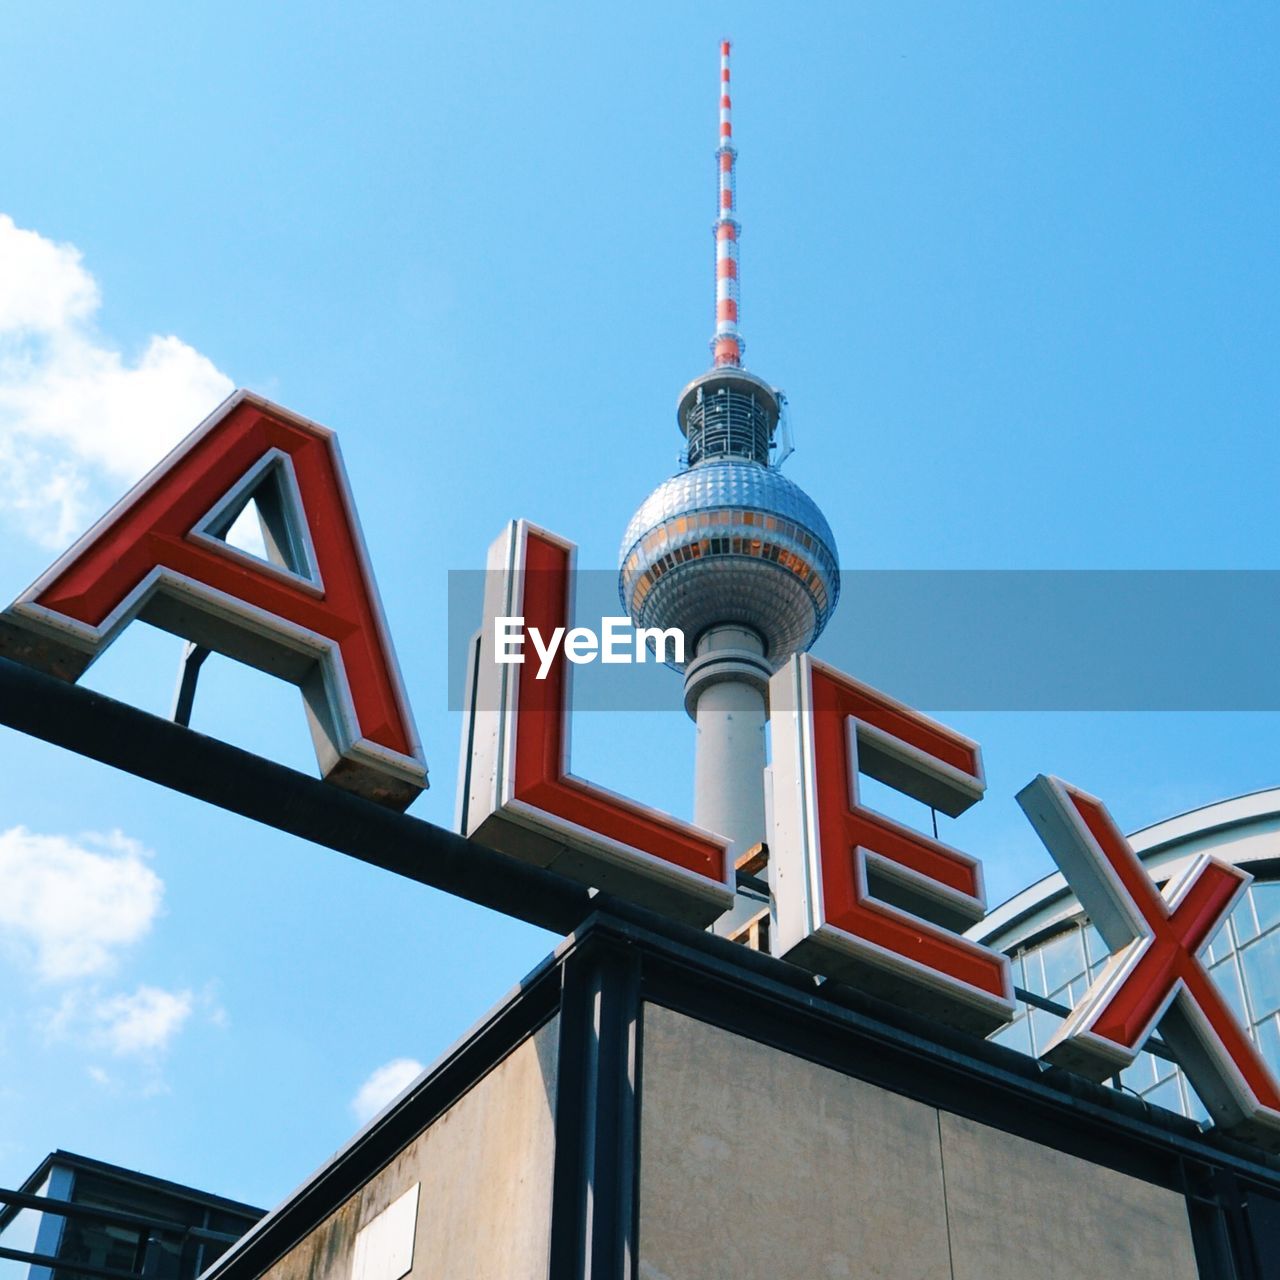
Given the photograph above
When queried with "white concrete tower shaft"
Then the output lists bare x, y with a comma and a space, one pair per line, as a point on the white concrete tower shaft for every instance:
724, 692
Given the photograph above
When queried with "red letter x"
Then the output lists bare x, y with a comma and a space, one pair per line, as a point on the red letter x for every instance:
1154, 974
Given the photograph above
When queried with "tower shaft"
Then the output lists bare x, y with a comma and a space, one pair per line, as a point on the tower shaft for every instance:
724, 691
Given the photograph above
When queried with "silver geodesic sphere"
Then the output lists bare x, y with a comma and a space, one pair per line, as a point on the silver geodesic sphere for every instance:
731, 542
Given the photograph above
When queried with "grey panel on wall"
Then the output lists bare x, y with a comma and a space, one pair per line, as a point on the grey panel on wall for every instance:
756, 1165
1017, 1209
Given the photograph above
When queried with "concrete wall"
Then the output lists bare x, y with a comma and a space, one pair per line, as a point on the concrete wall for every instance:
1082, 1219
757, 1165
484, 1169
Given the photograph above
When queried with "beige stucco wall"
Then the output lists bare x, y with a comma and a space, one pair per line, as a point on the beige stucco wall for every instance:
757, 1165
1010, 1200
484, 1208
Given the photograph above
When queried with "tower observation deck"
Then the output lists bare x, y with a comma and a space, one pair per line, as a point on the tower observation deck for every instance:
728, 549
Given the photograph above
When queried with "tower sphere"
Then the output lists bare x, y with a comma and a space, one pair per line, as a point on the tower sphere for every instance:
730, 540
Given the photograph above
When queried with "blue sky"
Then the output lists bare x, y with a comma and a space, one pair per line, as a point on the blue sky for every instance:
1015, 266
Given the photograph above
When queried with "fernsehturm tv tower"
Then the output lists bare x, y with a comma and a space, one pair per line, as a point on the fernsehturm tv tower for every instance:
729, 550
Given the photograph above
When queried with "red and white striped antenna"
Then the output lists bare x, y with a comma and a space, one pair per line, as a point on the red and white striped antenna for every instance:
727, 345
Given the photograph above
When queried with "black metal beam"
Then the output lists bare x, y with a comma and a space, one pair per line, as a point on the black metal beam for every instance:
177, 757
593, 1211
194, 656
64, 1267
1154, 1045
112, 1217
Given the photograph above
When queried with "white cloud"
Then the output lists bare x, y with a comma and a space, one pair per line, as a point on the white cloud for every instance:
215, 1014
68, 906
45, 286
143, 1023
140, 1025
78, 420
383, 1085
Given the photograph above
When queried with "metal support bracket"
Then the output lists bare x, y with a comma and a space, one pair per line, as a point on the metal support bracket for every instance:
184, 696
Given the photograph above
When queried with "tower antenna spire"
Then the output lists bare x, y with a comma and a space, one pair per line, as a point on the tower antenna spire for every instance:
727, 345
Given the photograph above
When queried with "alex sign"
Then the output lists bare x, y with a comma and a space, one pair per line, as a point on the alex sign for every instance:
857, 896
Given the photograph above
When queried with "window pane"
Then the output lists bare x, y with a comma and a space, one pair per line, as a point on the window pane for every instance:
1017, 1035
1266, 902
1032, 972
1226, 977
1094, 946
1268, 1037
1245, 925
1166, 1095
1043, 1025
1219, 945
1063, 959
1261, 961
1141, 1075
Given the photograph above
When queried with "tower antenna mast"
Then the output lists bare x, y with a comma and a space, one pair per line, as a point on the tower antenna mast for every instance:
727, 346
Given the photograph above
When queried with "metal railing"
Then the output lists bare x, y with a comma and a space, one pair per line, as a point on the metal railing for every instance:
152, 1234
727, 423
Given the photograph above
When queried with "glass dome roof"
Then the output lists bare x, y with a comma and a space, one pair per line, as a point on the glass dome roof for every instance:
727, 484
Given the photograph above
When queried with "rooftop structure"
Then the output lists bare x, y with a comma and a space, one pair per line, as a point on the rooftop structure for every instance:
98, 1221
594, 1124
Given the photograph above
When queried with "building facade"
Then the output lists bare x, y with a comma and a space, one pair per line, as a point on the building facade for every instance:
658, 1103
116, 1223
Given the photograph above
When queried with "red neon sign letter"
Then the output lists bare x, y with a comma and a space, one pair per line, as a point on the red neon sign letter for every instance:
520, 796
1154, 974
312, 615
859, 896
